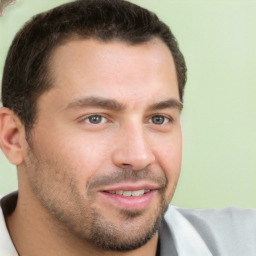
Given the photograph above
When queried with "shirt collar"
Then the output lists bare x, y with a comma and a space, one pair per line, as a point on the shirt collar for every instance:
6, 245
182, 235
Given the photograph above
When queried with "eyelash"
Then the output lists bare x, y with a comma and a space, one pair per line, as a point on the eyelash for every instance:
167, 119
91, 116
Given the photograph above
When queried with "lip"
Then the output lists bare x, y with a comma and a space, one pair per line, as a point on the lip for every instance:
131, 202
130, 187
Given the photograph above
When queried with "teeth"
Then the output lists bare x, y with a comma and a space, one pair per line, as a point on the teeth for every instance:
138, 192
119, 192
127, 193
130, 193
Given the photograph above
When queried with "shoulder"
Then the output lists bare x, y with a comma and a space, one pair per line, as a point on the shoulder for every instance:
230, 230
229, 220
224, 217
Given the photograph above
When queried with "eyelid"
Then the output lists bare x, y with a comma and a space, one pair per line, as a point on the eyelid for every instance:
168, 117
83, 118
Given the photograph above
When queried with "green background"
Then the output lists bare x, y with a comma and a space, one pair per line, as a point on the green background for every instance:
218, 39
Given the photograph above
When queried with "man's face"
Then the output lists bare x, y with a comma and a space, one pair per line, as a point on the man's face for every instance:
105, 152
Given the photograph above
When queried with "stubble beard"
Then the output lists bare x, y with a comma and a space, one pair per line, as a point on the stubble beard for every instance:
75, 216
107, 236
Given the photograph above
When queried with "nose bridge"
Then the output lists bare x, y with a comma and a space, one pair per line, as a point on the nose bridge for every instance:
133, 149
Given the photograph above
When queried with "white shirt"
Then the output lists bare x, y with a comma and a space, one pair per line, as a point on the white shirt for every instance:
6, 246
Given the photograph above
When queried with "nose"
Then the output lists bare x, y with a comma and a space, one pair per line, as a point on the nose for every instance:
132, 149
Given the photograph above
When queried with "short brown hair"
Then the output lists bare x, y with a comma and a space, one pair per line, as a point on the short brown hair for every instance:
25, 75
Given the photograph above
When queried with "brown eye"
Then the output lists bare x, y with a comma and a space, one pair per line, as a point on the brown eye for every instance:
95, 119
159, 120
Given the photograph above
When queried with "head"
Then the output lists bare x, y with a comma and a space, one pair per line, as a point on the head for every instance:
27, 75
98, 87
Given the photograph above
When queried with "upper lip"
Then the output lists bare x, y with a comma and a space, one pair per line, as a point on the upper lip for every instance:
130, 187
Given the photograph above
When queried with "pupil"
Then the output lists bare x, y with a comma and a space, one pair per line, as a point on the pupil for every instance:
158, 119
95, 119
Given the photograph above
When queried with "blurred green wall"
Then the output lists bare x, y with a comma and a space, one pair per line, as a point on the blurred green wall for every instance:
218, 39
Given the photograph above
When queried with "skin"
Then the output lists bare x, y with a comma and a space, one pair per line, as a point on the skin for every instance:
133, 141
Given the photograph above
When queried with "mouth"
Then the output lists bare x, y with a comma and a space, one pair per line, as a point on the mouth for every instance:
127, 197
129, 193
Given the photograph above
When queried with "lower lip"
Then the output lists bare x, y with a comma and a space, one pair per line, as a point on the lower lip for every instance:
129, 202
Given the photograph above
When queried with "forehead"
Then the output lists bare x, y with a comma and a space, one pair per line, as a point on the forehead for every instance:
116, 69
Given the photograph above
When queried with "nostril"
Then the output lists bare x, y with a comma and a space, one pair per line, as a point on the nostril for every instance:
127, 165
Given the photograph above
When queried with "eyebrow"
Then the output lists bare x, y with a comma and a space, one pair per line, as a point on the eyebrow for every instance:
112, 104
170, 103
109, 104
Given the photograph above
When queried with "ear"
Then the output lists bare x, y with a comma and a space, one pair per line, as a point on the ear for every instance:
12, 136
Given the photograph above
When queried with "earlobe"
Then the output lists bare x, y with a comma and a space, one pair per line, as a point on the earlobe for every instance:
11, 136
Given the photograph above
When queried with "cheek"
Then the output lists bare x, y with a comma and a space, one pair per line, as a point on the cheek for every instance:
81, 154
171, 164
169, 150
169, 155
84, 157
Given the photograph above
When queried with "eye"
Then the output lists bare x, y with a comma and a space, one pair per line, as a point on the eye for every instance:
95, 119
159, 119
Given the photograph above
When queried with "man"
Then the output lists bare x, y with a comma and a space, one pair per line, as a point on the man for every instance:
92, 94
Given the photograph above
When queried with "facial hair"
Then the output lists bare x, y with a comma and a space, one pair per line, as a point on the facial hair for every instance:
56, 189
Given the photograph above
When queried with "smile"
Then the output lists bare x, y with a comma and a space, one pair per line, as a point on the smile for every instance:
128, 198
129, 193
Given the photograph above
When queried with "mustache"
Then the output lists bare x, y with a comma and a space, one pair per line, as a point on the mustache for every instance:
126, 175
